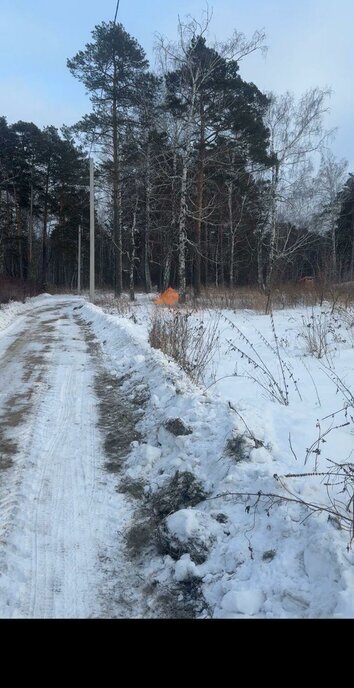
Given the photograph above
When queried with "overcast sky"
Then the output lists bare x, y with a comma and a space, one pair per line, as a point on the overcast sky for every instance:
310, 44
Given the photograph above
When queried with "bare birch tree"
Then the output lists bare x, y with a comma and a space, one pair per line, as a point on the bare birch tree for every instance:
190, 76
330, 181
296, 132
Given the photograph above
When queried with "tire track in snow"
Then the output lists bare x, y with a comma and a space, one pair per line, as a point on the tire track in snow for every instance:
52, 561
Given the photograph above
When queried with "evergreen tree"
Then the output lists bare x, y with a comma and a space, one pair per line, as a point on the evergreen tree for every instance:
110, 68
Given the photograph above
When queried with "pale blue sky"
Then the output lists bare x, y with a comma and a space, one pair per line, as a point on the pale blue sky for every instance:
310, 44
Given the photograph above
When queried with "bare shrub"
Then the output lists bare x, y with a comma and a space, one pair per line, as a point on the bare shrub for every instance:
342, 388
339, 482
113, 305
191, 344
273, 381
315, 332
339, 506
346, 317
321, 331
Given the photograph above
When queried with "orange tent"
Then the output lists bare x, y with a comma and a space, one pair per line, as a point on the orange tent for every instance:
169, 298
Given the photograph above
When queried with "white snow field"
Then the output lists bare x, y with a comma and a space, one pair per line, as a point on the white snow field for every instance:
108, 510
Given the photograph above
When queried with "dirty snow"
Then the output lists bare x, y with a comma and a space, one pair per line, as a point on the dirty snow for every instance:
241, 554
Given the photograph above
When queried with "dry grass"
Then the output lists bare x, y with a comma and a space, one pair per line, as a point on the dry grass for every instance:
113, 304
191, 344
315, 331
288, 295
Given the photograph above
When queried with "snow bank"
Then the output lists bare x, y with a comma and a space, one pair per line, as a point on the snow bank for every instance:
262, 558
9, 312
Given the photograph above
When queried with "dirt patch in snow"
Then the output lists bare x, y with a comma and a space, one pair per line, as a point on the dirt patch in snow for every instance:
18, 406
117, 413
116, 418
131, 487
8, 449
34, 363
177, 427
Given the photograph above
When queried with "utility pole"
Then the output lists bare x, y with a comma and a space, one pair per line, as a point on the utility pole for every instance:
79, 263
92, 233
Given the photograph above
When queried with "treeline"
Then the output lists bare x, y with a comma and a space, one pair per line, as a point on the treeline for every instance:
201, 179
43, 200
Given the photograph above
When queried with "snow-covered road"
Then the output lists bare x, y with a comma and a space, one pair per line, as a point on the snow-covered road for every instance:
54, 490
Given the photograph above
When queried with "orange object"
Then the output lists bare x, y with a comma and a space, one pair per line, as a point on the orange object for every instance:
168, 298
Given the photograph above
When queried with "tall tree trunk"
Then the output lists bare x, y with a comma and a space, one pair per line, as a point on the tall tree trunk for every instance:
166, 272
273, 225
232, 258
352, 256
260, 266
117, 194
19, 238
182, 224
45, 236
232, 234
182, 236
200, 185
221, 249
217, 261
168, 245
334, 251
147, 275
206, 251
132, 254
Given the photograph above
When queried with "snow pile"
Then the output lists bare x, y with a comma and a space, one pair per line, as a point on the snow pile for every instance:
9, 312
210, 524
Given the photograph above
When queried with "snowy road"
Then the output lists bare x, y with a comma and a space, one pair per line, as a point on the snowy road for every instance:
55, 494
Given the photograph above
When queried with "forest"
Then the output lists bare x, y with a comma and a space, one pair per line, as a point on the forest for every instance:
201, 179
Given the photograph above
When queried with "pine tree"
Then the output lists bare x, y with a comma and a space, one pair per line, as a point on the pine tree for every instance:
110, 68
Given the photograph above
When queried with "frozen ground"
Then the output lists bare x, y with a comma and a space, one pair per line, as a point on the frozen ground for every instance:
107, 509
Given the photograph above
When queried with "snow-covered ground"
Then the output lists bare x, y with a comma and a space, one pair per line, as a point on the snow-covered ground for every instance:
198, 507
264, 559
